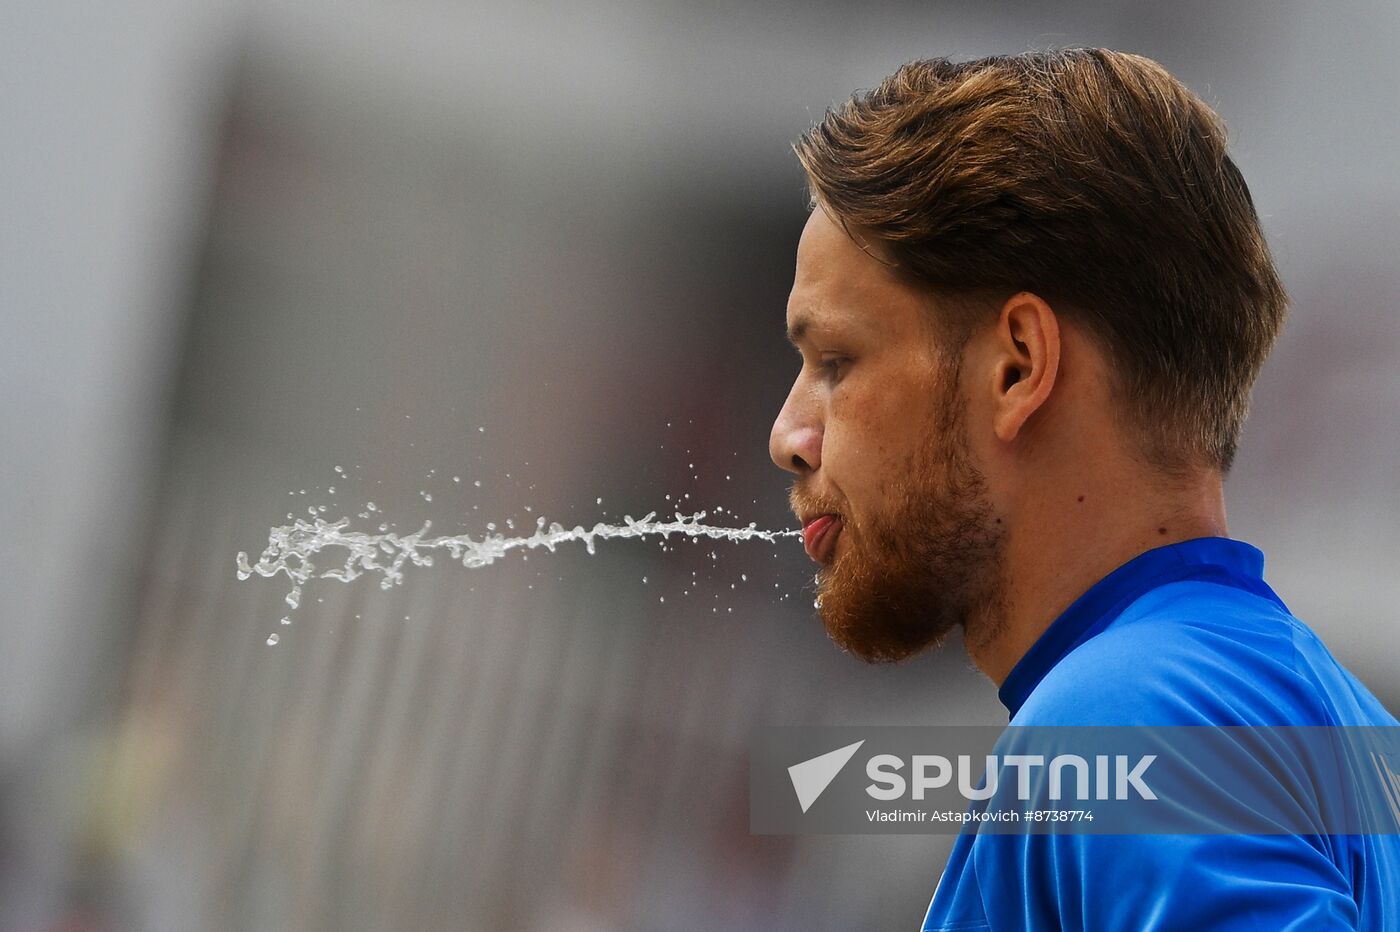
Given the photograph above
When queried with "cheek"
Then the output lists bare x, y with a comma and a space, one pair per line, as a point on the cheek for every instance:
864, 447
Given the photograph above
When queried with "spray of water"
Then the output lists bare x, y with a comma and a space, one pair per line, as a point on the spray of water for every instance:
291, 548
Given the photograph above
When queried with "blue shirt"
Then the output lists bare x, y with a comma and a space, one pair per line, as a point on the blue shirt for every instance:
1185, 634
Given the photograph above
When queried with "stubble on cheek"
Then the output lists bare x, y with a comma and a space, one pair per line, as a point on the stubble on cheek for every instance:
928, 561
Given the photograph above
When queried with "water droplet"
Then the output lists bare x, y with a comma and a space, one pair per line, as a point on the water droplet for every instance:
287, 619
272, 639
477, 483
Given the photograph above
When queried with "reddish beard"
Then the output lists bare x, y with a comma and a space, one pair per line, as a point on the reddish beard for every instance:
928, 562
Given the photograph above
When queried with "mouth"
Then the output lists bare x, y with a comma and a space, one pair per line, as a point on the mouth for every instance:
819, 537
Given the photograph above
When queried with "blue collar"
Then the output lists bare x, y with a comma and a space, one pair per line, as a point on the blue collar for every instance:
1213, 559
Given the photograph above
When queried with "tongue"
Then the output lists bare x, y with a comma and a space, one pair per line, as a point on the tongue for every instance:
812, 531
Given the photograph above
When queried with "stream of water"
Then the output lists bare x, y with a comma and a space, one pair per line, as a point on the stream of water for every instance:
294, 550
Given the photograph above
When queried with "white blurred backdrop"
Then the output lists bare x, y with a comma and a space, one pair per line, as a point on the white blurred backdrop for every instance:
547, 249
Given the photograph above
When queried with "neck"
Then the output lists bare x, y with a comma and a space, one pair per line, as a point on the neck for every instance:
1061, 542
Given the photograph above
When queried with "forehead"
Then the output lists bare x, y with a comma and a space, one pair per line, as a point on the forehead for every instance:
839, 283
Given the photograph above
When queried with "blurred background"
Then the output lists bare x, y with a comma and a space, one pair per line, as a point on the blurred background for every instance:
264, 258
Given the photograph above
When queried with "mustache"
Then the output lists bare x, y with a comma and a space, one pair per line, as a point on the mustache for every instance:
804, 501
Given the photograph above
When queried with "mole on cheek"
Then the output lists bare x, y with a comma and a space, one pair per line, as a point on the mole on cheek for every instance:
1081, 498
1161, 530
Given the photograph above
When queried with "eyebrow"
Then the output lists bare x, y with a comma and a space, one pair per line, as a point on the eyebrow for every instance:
798, 329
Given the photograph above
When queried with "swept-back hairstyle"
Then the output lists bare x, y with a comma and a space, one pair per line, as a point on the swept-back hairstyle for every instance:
1092, 178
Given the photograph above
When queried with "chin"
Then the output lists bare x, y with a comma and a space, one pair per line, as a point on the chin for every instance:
879, 620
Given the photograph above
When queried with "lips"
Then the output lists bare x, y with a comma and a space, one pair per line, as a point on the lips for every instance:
819, 537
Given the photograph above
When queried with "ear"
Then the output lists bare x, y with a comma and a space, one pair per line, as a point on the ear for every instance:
1026, 344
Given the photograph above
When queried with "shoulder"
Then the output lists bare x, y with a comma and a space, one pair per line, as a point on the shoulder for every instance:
1186, 653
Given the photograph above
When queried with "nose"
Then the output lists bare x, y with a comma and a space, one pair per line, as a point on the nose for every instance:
795, 443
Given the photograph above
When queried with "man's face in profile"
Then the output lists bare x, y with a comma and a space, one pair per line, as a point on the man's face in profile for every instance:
875, 427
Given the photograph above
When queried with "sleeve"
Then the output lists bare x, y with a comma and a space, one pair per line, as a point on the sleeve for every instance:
1164, 883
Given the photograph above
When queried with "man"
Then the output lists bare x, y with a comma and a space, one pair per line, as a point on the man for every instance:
1031, 300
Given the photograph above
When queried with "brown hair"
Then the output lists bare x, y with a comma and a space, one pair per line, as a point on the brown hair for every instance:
1092, 178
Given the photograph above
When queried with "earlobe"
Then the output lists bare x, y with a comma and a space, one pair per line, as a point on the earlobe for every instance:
1028, 349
